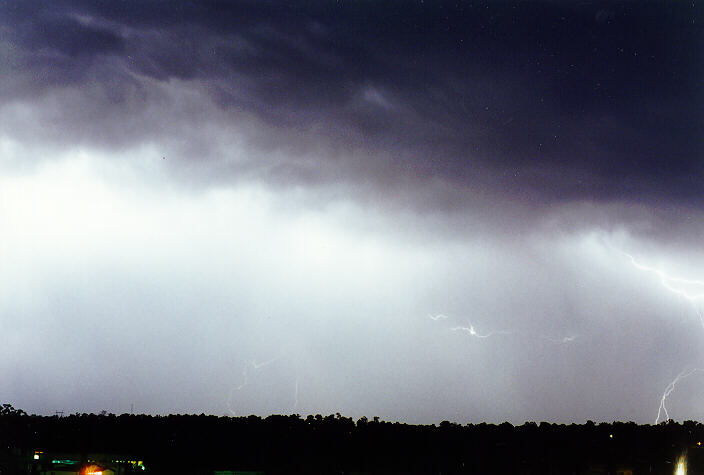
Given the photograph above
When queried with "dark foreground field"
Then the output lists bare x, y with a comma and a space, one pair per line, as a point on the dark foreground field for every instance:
195, 444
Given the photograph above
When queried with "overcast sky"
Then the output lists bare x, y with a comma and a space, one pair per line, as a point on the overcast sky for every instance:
420, 211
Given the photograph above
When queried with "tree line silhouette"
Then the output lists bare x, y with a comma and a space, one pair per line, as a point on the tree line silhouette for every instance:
202, 443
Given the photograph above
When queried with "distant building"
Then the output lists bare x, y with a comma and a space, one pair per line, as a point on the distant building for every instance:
52, 463
90, 469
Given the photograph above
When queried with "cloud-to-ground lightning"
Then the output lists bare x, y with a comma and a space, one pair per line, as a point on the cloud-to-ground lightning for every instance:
671, 387
691, 290
295, 396
252, 364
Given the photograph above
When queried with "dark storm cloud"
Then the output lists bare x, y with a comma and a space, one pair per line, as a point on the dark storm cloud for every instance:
533, 102
257, 198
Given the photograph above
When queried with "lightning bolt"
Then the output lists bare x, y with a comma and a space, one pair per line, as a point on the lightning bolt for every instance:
474, 333
437, 317
671, 283
691, 290
470, 329
252, 364
671, 387
563, 340
295, 396
256, 365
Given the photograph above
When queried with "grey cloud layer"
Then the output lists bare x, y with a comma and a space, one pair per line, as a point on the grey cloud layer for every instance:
531, 102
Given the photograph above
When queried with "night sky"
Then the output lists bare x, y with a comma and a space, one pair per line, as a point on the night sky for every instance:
418, 210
